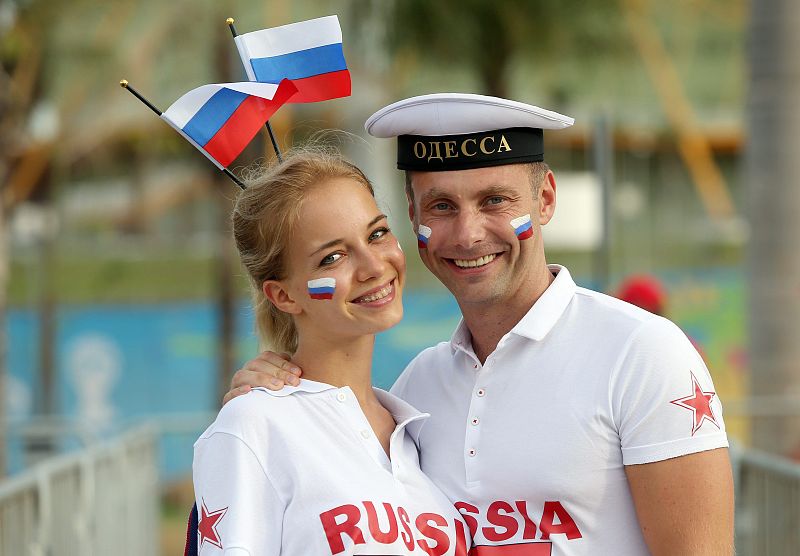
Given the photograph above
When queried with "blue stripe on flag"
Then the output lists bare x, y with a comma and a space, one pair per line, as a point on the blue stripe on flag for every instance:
213, 114
524, 227
300, 64
323, 289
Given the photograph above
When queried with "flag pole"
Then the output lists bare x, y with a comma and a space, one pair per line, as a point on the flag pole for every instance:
230, 22
125, 85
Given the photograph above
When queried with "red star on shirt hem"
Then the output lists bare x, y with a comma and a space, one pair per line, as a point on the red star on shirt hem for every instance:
699, 403
207, 527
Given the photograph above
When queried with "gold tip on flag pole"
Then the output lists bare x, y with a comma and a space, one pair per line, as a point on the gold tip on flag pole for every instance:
123, 83
229, 21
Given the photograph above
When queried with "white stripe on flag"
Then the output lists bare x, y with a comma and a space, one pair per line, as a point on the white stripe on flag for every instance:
322, 283
184, 109
290, 38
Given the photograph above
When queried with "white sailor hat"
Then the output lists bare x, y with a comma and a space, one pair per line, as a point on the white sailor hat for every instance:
457, 131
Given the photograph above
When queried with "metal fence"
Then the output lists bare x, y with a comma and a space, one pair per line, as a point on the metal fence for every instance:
101, 500
767, 504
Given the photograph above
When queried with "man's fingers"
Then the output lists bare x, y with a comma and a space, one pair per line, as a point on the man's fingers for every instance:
281, 361
234, 392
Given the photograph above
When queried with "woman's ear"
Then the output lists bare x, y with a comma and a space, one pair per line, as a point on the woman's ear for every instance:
278, 294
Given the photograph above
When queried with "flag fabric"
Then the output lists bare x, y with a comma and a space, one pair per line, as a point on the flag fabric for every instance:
308, 52
221, 119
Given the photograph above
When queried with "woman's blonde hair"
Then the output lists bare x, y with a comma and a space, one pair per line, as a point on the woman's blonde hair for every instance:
264, 217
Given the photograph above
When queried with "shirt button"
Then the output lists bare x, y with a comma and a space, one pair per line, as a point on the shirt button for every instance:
471, 452
481, 392
365, 433
475, 421
341, 396
475, 366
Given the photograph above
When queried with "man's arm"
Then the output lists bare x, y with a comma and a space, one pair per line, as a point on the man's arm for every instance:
685, 504
268, 370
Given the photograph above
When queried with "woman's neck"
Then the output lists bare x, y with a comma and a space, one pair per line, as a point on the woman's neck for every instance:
338, 363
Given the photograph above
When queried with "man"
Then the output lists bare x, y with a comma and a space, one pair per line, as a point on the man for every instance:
564, 422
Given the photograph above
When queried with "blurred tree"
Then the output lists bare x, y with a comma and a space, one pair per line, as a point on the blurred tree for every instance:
774, 258
485, 37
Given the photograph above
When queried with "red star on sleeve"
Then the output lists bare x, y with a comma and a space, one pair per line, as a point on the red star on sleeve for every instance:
699, 403
207, 527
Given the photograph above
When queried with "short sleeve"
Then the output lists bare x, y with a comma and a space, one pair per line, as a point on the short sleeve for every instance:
239, 511
662, 397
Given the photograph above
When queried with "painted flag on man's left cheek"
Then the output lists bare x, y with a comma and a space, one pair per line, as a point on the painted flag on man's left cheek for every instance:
308, 52
222, 119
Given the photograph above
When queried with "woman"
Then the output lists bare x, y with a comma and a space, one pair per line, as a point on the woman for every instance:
329, 466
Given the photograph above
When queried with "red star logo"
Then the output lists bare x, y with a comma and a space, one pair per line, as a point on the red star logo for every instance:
207, 527
699, 403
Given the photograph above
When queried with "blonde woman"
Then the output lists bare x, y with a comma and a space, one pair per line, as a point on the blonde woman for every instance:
329, 466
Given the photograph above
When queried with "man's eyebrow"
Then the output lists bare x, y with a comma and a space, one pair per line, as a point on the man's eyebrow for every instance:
333, 242
435, 193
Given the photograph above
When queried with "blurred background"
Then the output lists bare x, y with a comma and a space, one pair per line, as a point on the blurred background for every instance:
124, 312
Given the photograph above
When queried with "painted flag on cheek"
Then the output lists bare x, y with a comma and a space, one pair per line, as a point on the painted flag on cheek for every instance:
321, 288
523, 227
309, 53
423, 235
221, 120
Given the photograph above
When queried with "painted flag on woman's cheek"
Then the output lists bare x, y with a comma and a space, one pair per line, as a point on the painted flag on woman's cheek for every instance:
308, 52
222, 119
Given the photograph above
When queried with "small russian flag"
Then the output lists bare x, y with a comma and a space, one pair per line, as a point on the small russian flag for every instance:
423, 235
308, 52
321, 288
222, 119
523, 227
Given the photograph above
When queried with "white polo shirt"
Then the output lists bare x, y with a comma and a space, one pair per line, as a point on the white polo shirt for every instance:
532, 445
300, 471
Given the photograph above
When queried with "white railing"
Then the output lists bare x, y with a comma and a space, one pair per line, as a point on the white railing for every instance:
767, 504
101, 500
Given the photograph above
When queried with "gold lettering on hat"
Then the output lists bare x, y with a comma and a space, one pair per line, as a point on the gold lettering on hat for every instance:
483, 144
437, 146
417, 146
503, 143
450, 149
464, 147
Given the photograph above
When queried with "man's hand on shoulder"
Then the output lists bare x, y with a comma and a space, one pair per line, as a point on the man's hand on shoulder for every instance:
269, 370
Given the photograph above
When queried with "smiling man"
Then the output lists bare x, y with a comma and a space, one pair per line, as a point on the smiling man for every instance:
564, 422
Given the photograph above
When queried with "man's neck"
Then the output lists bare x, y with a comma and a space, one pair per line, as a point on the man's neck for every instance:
489, 322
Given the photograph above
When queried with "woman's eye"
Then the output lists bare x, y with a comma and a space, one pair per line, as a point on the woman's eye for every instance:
379, 233
330, 259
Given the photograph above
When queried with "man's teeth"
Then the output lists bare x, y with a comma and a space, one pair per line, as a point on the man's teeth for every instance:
472, 263
380, 294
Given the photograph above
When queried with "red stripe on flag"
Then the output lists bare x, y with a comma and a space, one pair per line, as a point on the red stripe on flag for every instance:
526, 234
324, 86
244, 123
528, 549
321, 296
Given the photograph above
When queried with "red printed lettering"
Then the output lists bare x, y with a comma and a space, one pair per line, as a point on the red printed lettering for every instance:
503, 522
387, 537
565, 526
335, 529
423, 523
461, 540
467, 509
530, 527
408, 538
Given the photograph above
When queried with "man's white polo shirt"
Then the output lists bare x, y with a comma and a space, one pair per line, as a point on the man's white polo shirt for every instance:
300, 471
532, 445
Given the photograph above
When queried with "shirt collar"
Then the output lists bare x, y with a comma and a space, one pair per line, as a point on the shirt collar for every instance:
404, 414
309, 386
539, 319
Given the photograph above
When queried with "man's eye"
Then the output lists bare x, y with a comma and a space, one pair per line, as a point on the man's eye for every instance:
494, 200
330, 259
441, 206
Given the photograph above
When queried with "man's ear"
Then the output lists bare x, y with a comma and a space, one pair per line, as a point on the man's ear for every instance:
547, 198
411, 210
278, 294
